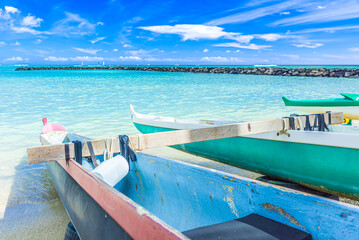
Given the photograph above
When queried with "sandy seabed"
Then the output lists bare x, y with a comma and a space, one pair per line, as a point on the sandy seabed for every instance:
34, 221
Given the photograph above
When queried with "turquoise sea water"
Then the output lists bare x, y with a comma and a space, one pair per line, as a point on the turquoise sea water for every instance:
95, 104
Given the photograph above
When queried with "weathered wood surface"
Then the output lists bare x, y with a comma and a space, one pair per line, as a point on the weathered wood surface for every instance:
139, 142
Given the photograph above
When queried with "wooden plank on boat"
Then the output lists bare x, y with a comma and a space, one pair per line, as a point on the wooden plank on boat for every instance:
139, 142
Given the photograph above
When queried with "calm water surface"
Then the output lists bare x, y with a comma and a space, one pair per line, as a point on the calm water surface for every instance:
95, 104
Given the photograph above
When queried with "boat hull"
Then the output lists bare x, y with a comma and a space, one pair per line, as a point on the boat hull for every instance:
89, 219
324, 168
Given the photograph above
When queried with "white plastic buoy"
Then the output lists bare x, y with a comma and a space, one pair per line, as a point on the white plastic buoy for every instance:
112, 170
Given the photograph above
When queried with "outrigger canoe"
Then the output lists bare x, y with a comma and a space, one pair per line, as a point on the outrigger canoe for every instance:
325, 161
349, 105
160, 198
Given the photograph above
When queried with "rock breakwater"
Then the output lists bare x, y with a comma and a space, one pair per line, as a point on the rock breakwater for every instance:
302, 72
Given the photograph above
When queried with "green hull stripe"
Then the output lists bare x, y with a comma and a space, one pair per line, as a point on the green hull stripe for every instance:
330, 102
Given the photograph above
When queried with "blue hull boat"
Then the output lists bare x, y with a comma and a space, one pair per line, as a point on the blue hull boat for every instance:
160, 198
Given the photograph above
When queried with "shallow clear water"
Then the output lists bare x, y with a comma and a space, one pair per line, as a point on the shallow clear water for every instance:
95, 104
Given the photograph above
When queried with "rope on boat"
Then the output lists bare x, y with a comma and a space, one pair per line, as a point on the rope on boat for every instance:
109, 148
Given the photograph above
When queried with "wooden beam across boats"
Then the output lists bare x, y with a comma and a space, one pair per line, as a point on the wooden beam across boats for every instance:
349, 105
325, 161
160, 198
208, 132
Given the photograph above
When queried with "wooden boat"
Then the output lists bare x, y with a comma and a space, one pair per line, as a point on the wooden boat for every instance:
161, 198
325, 161
349, 105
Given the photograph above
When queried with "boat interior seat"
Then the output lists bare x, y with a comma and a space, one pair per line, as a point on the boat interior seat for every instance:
251, 227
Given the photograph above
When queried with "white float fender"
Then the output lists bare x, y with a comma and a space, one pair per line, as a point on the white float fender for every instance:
112, 170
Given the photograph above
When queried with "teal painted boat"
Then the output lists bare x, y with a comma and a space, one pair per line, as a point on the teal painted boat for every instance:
326, 161
349, 105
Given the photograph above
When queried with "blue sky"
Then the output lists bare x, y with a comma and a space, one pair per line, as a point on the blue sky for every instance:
179, 32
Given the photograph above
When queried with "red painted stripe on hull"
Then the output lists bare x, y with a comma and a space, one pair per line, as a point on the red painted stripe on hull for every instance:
135, 220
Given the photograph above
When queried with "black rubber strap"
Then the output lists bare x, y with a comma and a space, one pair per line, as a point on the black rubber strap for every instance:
322, 126
125, 149
67, 153
78, 151
291, 121
307, 124
329, 118
315, 121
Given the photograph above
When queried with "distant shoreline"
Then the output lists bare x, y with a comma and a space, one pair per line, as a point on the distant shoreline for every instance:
276, 71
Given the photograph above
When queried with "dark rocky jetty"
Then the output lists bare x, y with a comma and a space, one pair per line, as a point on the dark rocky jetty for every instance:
302, 72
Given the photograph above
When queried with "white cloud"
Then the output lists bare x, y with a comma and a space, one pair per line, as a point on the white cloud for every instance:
336, 56
10, 9
56, 59
31, 21
25, 30
256, 13
240, 38
140, 52
270, 37
197, 32
126, 45
356, 49
38, 41
332, 11
18, 23
16, 43
115, 50
14, 59
228, 51
219, 59
284, 13
89, 51
97, 40
127, 58
74, 24
327, 29
205, 50
238, 50
2, 43
189, 31
308, 45
87, 59
292, 56
251, 46
100, 24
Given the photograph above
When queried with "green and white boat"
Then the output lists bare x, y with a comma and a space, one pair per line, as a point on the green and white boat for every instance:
349, 105
326, 161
